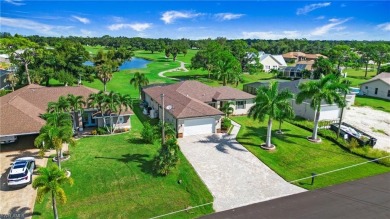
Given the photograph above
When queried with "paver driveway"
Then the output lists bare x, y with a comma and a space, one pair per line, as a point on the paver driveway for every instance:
233, 175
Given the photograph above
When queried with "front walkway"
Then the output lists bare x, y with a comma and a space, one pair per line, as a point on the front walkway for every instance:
234, 176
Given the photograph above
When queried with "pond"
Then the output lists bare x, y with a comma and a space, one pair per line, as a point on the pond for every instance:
131, 64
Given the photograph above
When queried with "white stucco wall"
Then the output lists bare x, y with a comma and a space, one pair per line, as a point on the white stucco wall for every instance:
248, 104
369, 89
328, 112
270, 63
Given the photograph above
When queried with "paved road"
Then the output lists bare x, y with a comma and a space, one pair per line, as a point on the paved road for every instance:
234, 176
366, 198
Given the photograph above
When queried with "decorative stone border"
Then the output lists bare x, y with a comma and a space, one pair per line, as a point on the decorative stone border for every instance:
273, 147
319, 140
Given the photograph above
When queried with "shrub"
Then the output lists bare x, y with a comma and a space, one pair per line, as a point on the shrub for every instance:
94, 132
226, 123
148, 133
101, 131
167, 158
353, 143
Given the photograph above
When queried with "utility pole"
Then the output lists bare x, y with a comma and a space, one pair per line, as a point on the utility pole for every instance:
163, 119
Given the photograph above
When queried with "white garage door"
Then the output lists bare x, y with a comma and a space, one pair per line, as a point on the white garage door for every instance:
198, 126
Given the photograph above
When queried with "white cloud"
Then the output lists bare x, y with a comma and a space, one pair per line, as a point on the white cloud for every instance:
41, 28
227, 16
170, 16
319, 31
291, 34
15, 2
384, 26
312, 7
320, 17
135, 26
81, 19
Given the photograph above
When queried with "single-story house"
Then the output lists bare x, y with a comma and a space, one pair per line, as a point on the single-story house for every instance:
328, 111
300, 56
193, 107
378, 86
21, 110
270, 62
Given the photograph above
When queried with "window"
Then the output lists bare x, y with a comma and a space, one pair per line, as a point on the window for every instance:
240, 104
212, 104
376, 90
267, 67
120, 119
388, 93
366, 87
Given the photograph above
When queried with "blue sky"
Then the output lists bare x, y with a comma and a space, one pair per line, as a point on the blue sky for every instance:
325, 20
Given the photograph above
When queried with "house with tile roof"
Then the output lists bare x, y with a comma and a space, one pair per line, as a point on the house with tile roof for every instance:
378, 86
193, 107
328, 111
300, 56
21, 110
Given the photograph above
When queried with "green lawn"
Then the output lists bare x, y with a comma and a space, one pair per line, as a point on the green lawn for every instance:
376, 103
359, 73
296, 158
93, 49
113, 179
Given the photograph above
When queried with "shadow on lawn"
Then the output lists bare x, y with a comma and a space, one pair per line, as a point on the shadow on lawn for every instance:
143, 163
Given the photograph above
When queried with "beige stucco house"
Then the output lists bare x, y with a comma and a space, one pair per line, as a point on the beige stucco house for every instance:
378, 86
193, 107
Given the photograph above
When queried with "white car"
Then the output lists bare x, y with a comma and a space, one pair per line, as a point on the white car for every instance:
21, 172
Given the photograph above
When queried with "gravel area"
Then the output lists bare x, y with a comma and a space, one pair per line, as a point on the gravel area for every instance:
234, 176
374, 122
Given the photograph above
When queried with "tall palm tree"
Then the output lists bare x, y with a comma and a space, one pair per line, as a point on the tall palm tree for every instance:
269, 101
12, 80
139, 80
104, 74
326, 89
283, 115
76, 106
112, 104
51, 180
124, 102
227, 108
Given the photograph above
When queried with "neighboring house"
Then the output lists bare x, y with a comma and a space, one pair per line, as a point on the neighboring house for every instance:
193, 107
295, 72
4, 58
21, 110
378, 86
300, 56
328, 111
270, 62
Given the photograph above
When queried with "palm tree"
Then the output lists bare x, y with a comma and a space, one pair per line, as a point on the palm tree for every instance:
96, 100
76, 106
56, 132
51, 180
12, 80
62, 105
139, 80
326, 89
283, 115
227, 108
269, 101
104, 74
112, 104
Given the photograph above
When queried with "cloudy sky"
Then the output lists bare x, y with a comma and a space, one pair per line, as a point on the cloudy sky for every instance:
327, 20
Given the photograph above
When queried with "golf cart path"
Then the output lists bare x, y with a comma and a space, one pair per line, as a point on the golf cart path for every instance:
181, 68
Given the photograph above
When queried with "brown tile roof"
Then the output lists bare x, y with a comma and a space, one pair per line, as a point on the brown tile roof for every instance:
20, 110
293, 55
190, 98
384, 76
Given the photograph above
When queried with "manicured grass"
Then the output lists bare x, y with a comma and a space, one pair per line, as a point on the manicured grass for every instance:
296, 158
93, 49
113, 179
376, 103
359, 73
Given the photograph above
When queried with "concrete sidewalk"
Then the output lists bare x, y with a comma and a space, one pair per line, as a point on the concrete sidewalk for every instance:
234, 175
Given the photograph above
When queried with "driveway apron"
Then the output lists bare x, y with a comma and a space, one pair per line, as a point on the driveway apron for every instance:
234, 176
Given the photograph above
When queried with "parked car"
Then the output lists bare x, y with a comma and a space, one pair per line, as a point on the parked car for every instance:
8, 139
21, 172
